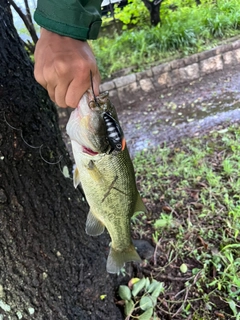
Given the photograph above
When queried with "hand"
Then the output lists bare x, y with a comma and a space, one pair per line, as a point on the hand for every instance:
62, 67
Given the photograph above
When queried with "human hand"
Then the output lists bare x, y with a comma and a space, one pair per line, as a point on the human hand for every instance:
62, 67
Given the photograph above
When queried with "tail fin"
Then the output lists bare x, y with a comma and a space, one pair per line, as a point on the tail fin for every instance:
117, 259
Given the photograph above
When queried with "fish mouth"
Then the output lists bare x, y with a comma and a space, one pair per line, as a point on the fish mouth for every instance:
89, 151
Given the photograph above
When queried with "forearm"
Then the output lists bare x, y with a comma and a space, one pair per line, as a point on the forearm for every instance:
77, 19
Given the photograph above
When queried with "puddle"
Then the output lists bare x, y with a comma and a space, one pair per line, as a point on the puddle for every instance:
144, 131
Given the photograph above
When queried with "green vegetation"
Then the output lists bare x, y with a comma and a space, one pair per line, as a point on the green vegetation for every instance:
185, 29
150, 290
192, 192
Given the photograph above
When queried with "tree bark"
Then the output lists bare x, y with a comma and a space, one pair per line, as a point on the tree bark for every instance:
154, 10
49, 267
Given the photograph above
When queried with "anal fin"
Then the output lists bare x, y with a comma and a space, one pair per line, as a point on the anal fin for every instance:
94, 227
139, 205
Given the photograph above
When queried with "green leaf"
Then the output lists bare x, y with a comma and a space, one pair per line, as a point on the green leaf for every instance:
146, 303
158, 289
128, 307
147, 284
154, 284
146, 315
231, 246
232, 305
124, 293
137, 287
183, 268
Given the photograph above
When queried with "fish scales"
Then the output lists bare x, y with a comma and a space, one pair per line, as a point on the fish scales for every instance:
114, 188
107, 179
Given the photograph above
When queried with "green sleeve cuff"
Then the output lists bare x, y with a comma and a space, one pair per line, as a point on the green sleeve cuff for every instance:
78, 19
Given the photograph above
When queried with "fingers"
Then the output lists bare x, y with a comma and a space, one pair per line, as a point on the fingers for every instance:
96, 83
75, 91
38, 67
66, 90
62, 67
79, 86
60, 94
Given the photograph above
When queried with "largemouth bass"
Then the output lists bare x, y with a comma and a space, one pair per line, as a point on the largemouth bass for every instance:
105, 170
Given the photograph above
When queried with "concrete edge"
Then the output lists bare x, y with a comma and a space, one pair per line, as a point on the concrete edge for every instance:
128, 89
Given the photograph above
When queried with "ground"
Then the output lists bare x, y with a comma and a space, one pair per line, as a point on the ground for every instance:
189, 200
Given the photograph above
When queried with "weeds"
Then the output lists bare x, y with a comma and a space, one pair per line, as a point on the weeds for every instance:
185, 30
194, 218
140, 297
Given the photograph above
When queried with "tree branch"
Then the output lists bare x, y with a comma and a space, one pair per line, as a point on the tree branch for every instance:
28, 11
27, 19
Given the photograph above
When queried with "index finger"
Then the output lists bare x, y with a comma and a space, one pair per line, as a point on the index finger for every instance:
77, 88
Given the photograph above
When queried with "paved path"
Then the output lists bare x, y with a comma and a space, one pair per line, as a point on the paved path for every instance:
185, 110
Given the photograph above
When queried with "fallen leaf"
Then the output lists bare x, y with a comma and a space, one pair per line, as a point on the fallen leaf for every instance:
203, 243
167, 209
197, 205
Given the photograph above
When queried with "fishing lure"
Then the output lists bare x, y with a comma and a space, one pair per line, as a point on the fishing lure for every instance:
114, 133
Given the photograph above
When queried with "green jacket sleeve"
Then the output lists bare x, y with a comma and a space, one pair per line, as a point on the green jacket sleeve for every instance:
78, 19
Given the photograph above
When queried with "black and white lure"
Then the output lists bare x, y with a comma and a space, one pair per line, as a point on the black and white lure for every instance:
113, 132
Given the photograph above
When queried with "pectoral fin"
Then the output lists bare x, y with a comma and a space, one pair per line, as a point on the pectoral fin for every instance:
94, 172
76, 177
139, 205
94, 227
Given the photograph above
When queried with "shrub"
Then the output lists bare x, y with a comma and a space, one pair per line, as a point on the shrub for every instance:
186, 28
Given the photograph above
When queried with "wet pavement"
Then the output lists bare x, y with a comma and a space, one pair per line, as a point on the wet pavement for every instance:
186, 110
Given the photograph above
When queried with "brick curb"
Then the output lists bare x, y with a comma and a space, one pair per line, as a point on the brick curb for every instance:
128, 89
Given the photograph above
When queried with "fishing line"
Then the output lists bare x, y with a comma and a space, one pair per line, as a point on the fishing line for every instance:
40, 152
29, 145
91, 79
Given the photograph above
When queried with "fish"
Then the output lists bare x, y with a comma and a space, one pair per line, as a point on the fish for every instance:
105, 171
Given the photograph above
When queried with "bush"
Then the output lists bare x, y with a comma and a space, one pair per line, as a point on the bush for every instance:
186, 28
135, 13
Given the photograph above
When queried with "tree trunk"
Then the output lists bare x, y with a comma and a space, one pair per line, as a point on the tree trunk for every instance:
49, 267
154, 10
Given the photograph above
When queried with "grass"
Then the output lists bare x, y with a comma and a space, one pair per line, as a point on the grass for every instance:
186, 30
192, 192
